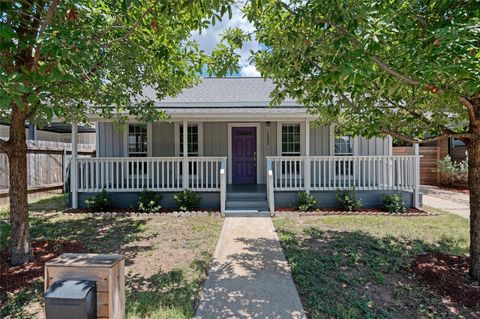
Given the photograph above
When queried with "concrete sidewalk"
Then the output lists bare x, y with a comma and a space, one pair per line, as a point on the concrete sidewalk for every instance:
454, 202
250, 277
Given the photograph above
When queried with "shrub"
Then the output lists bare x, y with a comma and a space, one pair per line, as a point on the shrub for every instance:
306, 202
149, 202
393, 203
452, 172
187, 200
348, 200
99, 203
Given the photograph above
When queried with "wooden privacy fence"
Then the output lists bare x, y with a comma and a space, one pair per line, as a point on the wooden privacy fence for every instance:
46, 164
429, 174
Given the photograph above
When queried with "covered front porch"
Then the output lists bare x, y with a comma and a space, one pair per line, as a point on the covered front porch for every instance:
209, 150
287, 175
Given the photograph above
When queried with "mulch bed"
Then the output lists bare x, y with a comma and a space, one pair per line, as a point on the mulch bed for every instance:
14, 277
286, 211
129, 211
448, 274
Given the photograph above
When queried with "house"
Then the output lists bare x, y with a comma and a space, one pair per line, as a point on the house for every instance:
225, 142
55, 132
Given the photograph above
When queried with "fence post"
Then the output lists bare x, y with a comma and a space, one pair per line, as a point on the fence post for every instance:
64, 165
416, 176
223, 185
270, 192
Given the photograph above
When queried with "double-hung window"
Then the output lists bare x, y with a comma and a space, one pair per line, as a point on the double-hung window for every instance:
291, 139
192, 145
192, 140
291, 147
343, 147
137, 140
137, 147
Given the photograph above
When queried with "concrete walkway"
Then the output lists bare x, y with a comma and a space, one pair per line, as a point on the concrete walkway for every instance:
451, 201
250, 277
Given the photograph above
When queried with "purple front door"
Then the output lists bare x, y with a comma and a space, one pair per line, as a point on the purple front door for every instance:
244, 155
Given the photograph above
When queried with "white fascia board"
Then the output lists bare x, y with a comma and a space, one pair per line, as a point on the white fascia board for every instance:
238, 104
220, 115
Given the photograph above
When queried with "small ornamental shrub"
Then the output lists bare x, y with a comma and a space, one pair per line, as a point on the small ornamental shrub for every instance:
452, 172
348, 200
99, 203
393, 203
306, 202
149, 202
187, 200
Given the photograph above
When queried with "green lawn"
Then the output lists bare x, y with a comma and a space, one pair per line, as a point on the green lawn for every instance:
358, 266
167, 257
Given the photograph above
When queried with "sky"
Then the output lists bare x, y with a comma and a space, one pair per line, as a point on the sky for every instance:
210, 37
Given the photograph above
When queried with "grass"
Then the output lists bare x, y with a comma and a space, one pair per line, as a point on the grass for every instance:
166, 257
358, 266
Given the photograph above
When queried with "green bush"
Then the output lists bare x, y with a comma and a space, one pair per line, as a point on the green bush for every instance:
393, 203
348, 200
99, 203
187, 200
149, 202
306, 202
452, 172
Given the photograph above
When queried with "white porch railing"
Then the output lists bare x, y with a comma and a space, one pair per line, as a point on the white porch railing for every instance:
321, 173
161, 174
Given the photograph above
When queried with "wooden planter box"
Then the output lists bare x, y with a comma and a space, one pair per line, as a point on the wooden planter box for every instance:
107, 270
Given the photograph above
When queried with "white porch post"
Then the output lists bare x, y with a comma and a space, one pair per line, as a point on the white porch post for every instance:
223, 185
306, 171
185, 155
73, 166
416, 176
270, 191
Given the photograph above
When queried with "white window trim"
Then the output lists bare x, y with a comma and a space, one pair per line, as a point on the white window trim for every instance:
259, 149
177, 137
149, 138
302, 136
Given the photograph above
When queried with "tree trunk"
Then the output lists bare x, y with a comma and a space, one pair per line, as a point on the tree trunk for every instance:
474, 186
20, 243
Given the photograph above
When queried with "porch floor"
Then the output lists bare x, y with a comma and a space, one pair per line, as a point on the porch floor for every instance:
246, 188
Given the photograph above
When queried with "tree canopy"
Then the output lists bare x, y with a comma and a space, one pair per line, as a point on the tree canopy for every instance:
60, 57
407, 68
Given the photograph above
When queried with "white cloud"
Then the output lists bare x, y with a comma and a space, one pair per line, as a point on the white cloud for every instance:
249, 70
211, 36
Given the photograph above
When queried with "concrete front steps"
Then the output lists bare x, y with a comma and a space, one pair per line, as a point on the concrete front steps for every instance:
247, 203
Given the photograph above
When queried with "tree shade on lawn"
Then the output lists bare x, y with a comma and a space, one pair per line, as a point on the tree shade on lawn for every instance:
69, 58
410, 69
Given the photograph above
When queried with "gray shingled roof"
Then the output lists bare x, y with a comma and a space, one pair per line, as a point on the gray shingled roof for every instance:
223, 92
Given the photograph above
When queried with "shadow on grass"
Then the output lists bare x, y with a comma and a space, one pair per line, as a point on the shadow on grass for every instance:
171, 294
97, 234
53, 203
352, 274
15, 305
